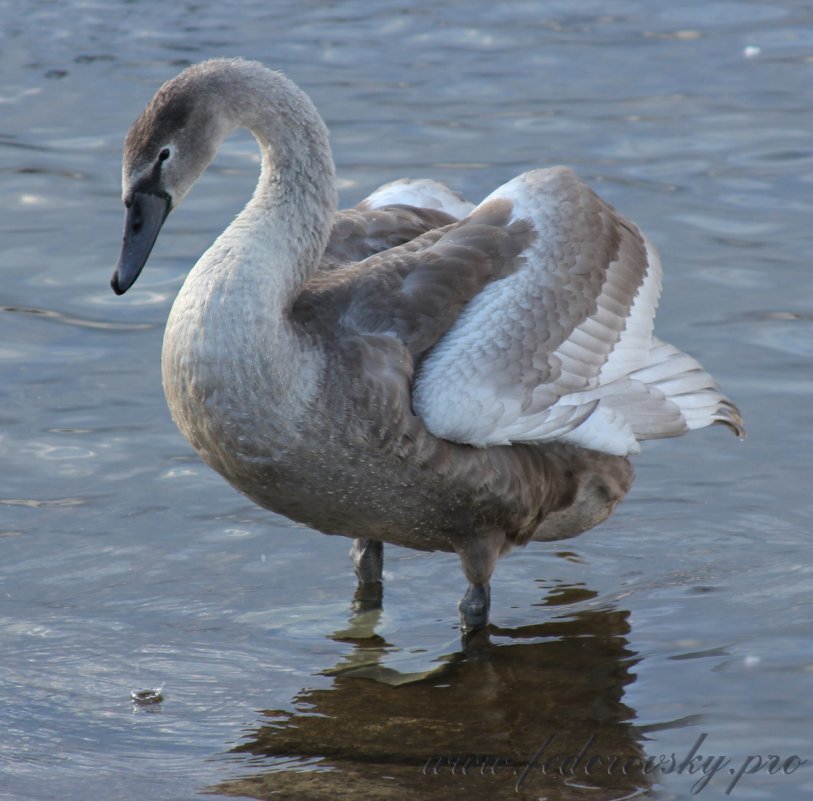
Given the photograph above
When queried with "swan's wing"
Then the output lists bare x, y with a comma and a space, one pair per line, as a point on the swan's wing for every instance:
394, 214
576, 313
528, 321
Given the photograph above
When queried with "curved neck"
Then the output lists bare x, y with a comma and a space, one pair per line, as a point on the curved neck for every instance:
287, 222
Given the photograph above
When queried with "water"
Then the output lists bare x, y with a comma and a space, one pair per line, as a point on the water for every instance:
127, 564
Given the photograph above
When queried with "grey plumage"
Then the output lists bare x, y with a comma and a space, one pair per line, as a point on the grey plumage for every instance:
416, 370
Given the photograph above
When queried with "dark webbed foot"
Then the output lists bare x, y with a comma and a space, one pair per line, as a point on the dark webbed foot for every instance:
368, 560
474, 607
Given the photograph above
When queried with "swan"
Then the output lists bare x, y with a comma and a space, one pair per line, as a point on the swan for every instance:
417, 370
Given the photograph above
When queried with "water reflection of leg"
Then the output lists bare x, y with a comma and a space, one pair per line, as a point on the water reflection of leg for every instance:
368, 561
368, 596
365, 616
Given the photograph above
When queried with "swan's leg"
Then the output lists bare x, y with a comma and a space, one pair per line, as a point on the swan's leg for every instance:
368, 560
474, 606
478, 559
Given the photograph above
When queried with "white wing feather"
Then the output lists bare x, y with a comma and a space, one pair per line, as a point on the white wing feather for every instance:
563, 348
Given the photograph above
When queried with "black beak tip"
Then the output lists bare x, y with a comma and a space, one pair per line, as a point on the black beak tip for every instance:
114, 283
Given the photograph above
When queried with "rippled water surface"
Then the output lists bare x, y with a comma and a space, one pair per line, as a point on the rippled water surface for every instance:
125, 563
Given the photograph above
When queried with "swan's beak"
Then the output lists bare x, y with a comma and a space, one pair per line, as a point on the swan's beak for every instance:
145, 215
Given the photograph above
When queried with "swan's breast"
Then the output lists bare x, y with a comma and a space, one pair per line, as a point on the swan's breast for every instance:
237, 379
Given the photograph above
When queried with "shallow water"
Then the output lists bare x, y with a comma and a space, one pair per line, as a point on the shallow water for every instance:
125, 563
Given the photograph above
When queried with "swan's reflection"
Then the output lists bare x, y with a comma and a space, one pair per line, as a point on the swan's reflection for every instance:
510, 712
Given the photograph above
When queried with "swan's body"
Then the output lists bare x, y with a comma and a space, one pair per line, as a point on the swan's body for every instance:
395, 373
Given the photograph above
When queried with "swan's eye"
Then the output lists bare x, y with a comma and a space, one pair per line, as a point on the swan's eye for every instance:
164, 154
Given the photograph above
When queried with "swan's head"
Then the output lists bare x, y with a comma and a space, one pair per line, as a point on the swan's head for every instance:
166, 150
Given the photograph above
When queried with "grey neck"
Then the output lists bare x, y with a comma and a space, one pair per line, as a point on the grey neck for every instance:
291, 212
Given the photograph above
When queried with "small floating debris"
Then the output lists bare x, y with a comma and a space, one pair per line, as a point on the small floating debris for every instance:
751, 51
147, 696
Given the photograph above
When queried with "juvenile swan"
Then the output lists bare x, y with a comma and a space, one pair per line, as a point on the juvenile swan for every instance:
416, 370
